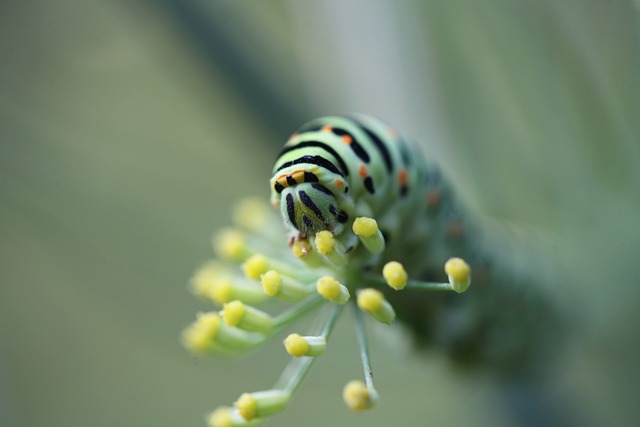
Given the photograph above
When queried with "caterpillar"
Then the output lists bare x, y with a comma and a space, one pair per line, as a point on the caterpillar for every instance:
336, 168
365, 216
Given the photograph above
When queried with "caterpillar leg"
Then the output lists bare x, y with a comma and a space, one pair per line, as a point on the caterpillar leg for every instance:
297, 237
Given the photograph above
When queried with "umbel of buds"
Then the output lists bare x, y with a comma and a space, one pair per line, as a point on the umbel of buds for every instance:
254, 265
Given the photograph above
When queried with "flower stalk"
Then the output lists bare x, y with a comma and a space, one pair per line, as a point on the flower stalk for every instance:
255, 266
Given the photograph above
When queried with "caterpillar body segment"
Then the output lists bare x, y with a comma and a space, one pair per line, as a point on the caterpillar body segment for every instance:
335, 169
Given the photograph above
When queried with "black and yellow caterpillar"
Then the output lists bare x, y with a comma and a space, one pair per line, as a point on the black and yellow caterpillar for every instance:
336, 168
368, 216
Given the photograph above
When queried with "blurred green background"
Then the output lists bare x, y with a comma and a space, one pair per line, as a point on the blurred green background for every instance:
127, 129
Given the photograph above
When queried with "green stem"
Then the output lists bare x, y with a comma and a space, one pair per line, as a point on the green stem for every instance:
364, 348
297, 312
294, 373
298, 368
413, 284
429, 286
331, 322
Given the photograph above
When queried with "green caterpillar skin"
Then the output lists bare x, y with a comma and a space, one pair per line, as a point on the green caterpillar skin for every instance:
336, 168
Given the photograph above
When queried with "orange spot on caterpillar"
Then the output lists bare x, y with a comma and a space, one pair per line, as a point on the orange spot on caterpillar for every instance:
326, 128
298, 176
363, 171
403, 177
433, 199
346, 139
282, 180
339, 183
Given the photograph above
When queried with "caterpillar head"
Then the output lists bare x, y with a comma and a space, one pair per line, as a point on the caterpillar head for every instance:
310, 208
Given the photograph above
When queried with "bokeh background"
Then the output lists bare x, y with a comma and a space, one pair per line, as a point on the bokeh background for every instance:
127, 130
